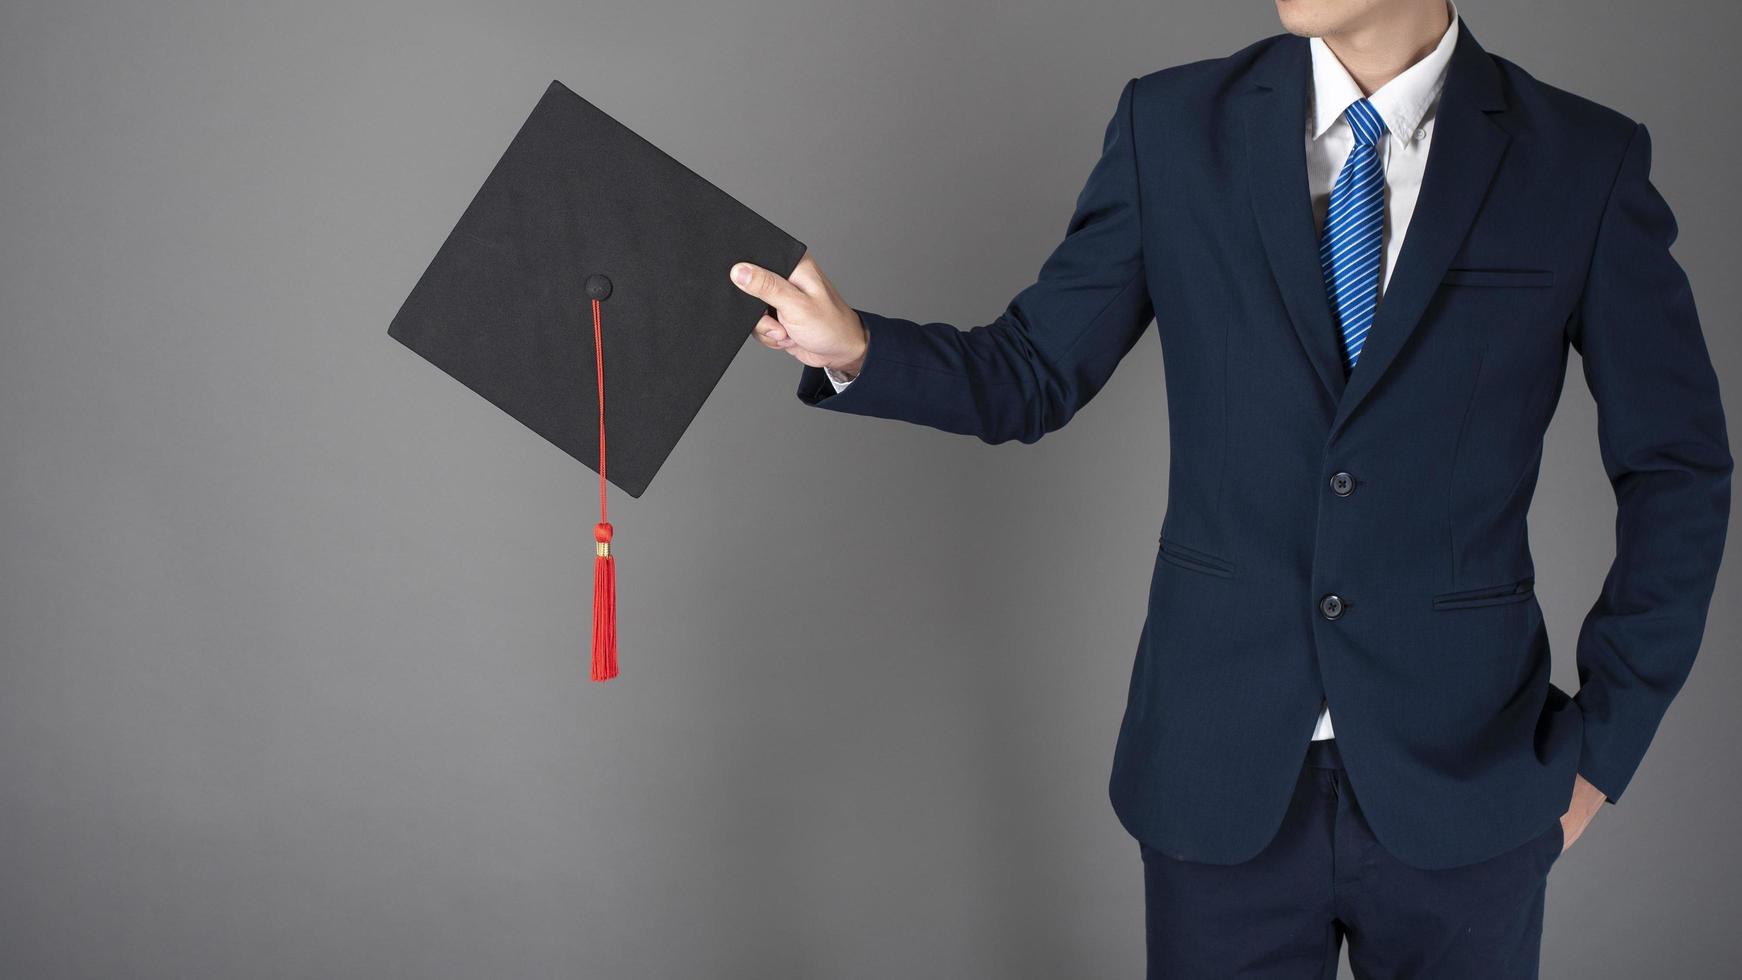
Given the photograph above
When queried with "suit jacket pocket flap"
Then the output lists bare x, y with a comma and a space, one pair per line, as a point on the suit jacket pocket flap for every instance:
1499, 277
1192, 558
1487, 595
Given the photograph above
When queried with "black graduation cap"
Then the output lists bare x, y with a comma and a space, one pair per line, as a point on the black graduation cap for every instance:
585, 237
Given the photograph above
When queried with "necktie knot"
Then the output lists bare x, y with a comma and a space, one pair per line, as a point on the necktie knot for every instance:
1365, 121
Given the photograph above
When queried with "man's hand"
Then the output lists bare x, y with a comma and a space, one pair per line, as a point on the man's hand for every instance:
1587, 800
810, 320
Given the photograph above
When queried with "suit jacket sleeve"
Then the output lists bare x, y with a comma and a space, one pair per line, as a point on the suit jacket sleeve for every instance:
1027, 372
1661, 434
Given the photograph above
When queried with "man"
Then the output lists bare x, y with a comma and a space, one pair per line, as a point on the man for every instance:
1367, 245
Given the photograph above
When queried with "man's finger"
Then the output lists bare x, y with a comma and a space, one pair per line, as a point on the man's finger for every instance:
764, 285
808, 278
769, 331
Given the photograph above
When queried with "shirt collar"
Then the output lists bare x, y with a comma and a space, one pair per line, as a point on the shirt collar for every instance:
1402, 102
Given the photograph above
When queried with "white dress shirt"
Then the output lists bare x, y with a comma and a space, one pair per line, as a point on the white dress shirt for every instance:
1407, 105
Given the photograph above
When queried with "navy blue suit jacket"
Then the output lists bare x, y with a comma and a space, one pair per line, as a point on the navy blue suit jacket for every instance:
1537, 228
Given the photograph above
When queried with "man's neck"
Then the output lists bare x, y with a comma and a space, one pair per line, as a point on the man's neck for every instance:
1381, 47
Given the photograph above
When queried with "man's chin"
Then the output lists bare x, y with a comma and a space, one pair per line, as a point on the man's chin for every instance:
1300, 26
1318, 18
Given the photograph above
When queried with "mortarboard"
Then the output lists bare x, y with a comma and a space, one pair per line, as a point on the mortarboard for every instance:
585, 289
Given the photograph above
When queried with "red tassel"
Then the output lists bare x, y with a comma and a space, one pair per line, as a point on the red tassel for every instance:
604, 606
604, 564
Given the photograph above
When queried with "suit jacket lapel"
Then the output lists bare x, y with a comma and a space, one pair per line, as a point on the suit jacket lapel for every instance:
1275, 123
1465, 153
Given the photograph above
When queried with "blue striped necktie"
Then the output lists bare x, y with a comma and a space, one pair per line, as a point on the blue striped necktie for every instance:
1351, 245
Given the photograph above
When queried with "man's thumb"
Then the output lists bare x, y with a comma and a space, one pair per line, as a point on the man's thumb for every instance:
764, 285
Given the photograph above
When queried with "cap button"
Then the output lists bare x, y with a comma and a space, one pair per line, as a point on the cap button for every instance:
598, 287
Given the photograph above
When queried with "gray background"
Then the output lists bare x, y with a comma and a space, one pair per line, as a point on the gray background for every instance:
293, 669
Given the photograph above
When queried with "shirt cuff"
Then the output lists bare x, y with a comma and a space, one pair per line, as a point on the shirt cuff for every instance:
838, 380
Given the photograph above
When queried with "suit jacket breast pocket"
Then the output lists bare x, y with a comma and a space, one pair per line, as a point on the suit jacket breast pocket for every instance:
1514, 278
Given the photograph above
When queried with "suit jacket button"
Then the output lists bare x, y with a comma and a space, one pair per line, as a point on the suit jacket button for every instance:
1331, 606
1342, 484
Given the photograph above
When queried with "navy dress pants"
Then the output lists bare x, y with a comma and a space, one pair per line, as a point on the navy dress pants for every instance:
1285, 913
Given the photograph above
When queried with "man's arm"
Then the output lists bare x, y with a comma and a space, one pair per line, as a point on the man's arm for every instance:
1018, 377
1661, 434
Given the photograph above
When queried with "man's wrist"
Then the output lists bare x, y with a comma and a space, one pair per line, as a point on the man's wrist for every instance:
849, 369
1588, 781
